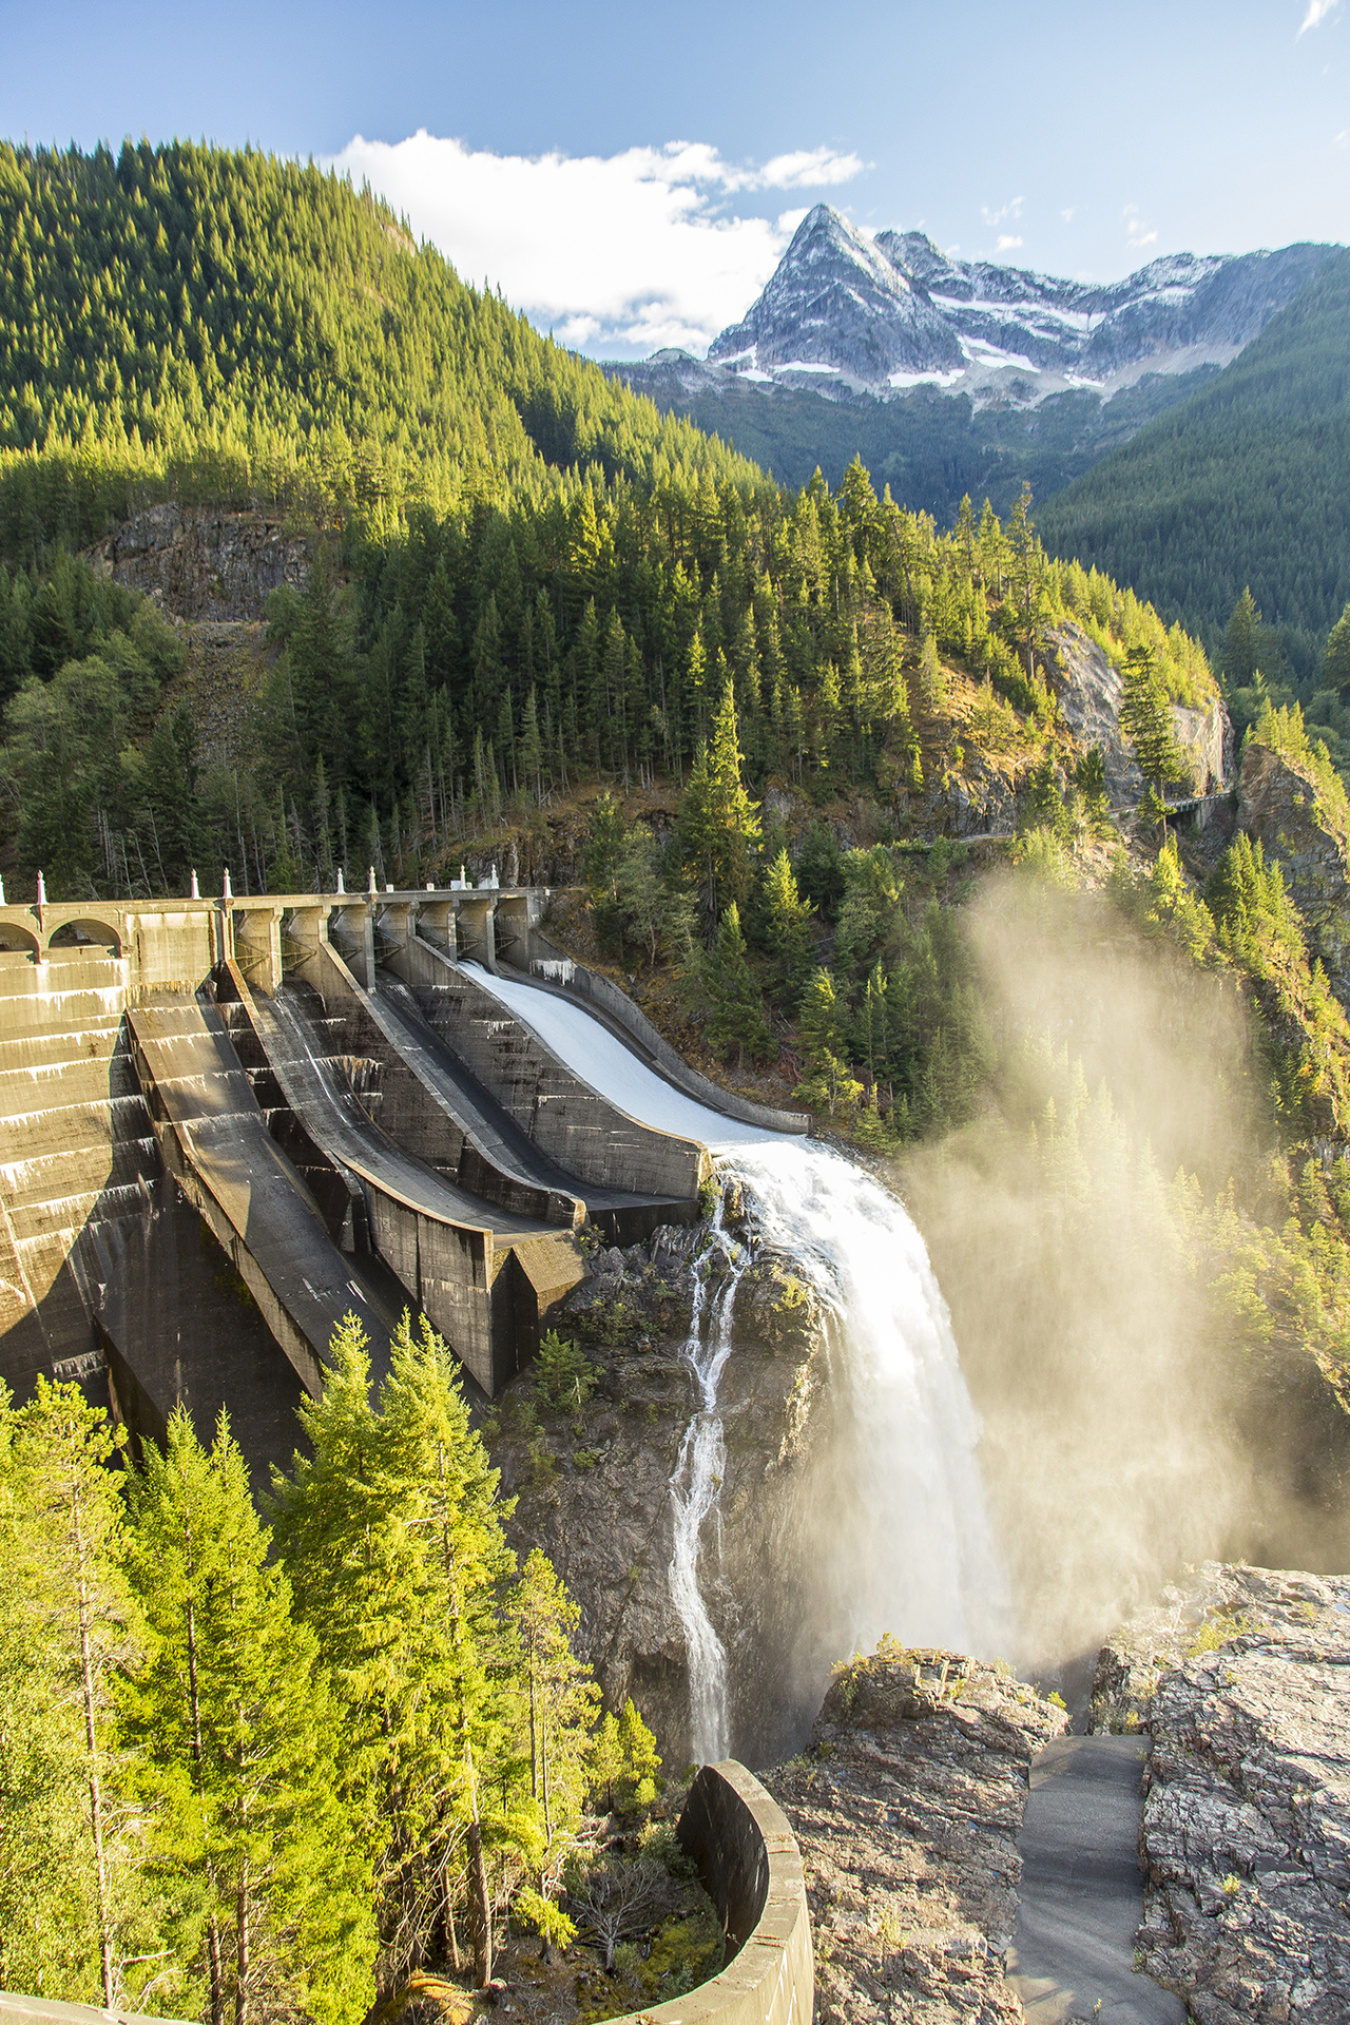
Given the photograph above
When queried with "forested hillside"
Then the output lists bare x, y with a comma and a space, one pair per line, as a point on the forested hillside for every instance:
1245, 483
232, 327
931, 447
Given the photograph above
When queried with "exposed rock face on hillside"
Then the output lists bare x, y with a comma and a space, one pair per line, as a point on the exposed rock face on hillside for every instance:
1243, 1678
594, 1486
848, 314
907, 1808
204, 563
1279, 803
1090, 691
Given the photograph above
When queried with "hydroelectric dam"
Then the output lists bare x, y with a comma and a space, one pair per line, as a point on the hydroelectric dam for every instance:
227, 1123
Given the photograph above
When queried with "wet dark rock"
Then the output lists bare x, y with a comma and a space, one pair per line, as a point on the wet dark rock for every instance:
594, 1485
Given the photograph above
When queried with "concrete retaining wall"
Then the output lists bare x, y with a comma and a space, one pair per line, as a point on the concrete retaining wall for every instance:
752, 1869
16, 2010
568, 1120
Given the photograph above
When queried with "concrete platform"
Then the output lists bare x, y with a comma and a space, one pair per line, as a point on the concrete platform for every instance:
1082, 1894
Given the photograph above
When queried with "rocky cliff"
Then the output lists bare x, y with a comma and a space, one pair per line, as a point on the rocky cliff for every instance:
1286, 800
907, 1807
1090, 691
592, 1475
204, 562
1242, 1677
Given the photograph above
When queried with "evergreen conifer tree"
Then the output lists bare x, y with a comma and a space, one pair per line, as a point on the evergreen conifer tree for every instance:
69, 1893
563, 1699
1242, 642
1336, 657
239, 1749
737, 1023
788, 923
826, 1083
1146, 718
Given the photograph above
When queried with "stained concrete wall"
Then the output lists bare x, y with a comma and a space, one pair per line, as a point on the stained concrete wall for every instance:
419, 1117
17, 2010
572, 1123
485, 1279
103, 1253
106, 1274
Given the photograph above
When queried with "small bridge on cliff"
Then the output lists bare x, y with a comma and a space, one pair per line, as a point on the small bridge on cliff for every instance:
227, 1123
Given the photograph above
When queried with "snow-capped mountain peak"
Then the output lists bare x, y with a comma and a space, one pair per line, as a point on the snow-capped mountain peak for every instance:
848, 313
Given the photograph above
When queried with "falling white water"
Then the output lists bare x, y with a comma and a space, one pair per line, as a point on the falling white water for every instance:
912, 1552
915, 1553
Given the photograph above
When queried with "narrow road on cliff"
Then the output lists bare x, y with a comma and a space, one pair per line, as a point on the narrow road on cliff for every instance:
1082, 1895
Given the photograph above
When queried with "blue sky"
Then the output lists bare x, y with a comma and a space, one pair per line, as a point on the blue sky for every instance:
630, 174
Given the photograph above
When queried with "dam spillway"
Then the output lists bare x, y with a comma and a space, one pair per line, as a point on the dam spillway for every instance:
224, 1124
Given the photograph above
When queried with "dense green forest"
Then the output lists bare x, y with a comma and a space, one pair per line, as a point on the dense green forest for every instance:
426, 680
271, 1771
228, 326
1246, 483
930, 448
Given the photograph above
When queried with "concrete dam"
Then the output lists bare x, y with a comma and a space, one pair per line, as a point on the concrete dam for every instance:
228, 1123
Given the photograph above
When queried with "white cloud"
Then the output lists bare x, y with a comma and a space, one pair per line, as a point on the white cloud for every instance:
618, 253
1012, 209
1007, 241
1067, 216
1342, 139
1317, 13
1138, 234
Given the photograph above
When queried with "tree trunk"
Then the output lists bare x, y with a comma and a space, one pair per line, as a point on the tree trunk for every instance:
105, 1938
194, 1693
243, 1963
482, 1953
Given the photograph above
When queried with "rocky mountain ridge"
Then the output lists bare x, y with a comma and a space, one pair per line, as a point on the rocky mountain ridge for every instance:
847, 314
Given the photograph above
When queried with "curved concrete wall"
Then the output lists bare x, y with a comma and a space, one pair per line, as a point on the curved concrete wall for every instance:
619, 1012
752, 1870
573, 1124
17, 2010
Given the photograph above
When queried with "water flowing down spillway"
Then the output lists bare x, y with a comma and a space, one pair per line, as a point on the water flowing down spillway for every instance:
914, 1553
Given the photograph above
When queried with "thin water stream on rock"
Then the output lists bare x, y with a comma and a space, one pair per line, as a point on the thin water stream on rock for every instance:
696, 1485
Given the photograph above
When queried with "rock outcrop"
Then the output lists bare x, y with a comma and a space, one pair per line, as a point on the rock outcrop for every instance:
907, 1807
593, 1483
1282, 803
1090, 691
203, 562
1243, 1679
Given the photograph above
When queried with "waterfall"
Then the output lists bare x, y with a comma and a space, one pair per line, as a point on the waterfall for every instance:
908, 1547
912, 1551
696, 1484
